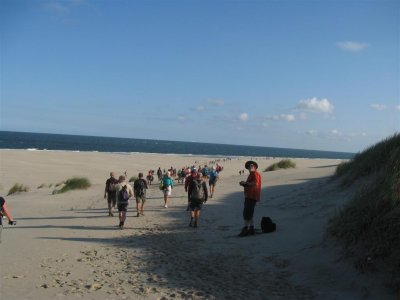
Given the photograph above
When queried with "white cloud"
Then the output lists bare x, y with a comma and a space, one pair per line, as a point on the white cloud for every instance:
243, 117
57, 7
284, 117
199, 108
315, 105
219, 102
398, 107
312, 132
378, 106
336, 132
352, 46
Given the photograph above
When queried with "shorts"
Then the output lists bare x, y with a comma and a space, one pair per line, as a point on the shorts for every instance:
248, 210
140, 199
122, 207
167, 191
112, 198
212, 182
195, 205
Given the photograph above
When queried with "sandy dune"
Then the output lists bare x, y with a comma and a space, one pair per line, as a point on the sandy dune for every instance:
66, 246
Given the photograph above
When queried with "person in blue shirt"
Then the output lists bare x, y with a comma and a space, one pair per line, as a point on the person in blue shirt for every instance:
213, 180
168, 184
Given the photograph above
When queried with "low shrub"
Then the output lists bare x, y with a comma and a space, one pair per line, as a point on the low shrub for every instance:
132, 179
283, 164
75, 183
18, 188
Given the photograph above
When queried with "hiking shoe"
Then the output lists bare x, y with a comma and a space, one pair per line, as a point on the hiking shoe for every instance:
251, 231
142, 213
244, 232
138, 215
165, 206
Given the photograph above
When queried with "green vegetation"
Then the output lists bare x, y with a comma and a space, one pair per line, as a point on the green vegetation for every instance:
283, 164
41, 186
132, 179
74, 184
59, 183
369, 224
18, 188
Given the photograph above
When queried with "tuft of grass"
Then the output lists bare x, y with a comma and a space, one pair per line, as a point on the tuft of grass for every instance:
74, 184
59, 183
133, 178
282, 164
368, 225
18, 188
41, 186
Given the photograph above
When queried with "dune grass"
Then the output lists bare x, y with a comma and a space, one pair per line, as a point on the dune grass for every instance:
17, 188
369, 224
74, 184
282, 164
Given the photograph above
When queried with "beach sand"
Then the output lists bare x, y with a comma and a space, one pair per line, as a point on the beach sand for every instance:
66, 246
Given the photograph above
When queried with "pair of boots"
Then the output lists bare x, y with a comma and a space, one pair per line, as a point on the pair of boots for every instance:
247, 231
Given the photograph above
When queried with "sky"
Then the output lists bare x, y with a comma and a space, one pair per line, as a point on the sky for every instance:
321, 75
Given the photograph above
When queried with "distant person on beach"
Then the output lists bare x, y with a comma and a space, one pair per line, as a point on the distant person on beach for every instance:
110, 193
159, 174
5, 212
252, 193
168, 184
139, 190
124, 192
198, 194
214, 176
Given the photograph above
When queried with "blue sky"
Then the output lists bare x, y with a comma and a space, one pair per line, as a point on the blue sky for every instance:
321, 75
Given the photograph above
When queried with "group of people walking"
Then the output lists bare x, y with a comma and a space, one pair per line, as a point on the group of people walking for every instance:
118, 192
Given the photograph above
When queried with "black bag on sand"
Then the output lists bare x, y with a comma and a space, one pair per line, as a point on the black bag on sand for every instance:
267, 225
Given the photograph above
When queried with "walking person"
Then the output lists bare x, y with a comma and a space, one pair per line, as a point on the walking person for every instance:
252, 193
198, 194
139, 190
124, 192
214, 176
110, 193
168, 184
192, 176
5, 212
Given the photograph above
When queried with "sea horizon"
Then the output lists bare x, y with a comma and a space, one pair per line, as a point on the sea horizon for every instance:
34, 141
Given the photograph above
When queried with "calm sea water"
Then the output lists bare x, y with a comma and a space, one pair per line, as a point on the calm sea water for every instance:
44, 141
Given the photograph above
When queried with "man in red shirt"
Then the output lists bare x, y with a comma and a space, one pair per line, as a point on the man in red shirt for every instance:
252, 193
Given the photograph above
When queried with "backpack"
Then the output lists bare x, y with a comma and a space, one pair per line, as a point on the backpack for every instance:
139, 186
123, 195
197, 190
267, 225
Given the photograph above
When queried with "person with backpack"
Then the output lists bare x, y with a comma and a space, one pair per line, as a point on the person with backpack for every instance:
213, 180
139, 190
124, 192
198, 194
110, 193
167, 185
5, 212
252, 194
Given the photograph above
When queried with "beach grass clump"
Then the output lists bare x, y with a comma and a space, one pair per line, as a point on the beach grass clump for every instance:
76, 183
17, 188
369, 224
282, 164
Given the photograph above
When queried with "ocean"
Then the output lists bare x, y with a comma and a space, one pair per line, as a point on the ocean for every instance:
45, 141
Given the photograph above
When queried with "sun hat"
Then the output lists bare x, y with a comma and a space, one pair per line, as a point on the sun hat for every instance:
250, 162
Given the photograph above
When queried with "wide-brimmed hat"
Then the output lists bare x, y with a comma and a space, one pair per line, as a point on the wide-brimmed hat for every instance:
250, 162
